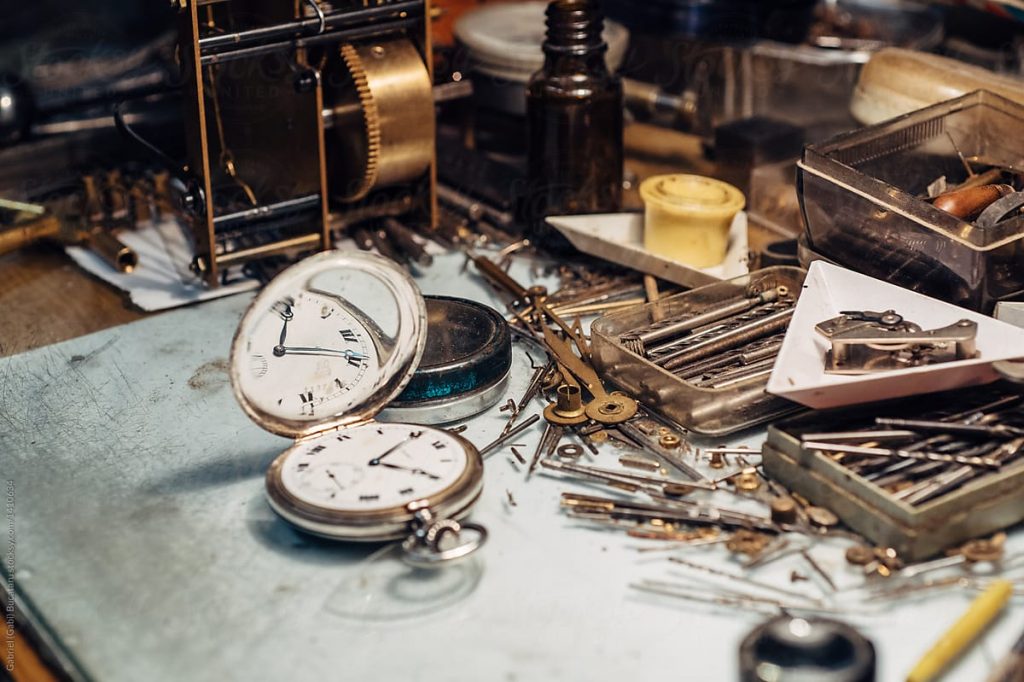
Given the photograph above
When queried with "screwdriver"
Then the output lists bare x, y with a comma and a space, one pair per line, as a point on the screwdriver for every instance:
979, 614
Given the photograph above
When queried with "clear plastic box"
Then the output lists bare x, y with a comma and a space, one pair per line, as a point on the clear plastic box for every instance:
708, 411
861, 194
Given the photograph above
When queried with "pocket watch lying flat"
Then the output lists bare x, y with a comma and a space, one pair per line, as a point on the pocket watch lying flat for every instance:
319, 352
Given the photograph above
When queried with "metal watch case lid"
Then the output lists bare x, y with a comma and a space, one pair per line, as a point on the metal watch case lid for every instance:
383, 298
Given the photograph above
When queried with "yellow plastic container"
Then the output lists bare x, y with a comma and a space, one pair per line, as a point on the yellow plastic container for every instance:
687, 217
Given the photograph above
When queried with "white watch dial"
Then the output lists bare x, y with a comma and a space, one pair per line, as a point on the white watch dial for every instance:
373, 467
306, 357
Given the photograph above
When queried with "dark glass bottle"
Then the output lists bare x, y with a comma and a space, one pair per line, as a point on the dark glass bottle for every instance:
574, 119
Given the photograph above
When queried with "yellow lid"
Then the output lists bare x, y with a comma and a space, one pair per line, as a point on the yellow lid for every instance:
693, 195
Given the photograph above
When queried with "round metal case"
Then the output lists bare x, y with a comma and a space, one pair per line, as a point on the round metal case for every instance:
465, 367
330, 487
362, 318
806, 650
319, 352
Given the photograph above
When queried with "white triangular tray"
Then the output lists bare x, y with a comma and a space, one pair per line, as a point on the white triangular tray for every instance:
619, 238
799, 372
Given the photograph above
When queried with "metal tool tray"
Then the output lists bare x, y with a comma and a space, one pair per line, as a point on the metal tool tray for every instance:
979, 507
859, 196
709, 411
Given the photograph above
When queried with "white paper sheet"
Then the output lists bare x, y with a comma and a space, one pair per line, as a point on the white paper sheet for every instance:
157, 283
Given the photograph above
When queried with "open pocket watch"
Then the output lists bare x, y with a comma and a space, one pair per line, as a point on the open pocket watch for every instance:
319, 352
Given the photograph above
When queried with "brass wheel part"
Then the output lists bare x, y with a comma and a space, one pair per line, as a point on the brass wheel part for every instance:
819, 516
859, 555
554, 416
989, 549
383, 111
568, 409
670, 441
612, 409
371, 125
747, 542
783, 511
746, 481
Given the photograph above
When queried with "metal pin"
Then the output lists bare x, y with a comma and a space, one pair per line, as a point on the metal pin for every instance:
732, 451
818, 569
589, 444
920, 425
546, 445
651, 442
988, 462
518, 456
730, 339
638, 341
933, 565
611, 478
743, 579
834, 436
658, 483
505, 437
638, 462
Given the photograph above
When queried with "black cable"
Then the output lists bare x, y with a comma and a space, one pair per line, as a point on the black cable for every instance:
165, 159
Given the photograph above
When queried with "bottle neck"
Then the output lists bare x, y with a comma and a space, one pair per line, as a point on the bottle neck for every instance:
574, 40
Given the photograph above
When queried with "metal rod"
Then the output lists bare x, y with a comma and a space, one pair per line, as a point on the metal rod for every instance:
504, 438
216, 44
922, 425
687, 325
727, 340
987, 462
743, 579
242, 255
350, 34
831, 437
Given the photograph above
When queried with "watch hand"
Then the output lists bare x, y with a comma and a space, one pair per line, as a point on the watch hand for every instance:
376, 460
286, 315
415, 471
312, 350
333, 478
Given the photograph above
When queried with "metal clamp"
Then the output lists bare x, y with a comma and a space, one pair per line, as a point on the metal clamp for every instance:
864, 342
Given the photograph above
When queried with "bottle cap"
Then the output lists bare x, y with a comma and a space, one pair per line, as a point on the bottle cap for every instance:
691, 195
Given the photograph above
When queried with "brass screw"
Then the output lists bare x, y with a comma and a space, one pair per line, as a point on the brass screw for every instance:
670, 441
747, 481
783, 511
859, 555
717, 460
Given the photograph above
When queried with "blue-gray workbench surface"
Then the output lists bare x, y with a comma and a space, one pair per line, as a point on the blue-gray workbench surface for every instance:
143, 545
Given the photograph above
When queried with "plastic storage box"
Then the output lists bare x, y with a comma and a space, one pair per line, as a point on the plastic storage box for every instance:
861, 194
708, 411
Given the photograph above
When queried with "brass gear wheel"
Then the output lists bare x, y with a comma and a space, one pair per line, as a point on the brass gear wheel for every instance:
371, 121
381, 102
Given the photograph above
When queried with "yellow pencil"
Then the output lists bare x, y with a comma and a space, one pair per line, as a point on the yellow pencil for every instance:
979, 614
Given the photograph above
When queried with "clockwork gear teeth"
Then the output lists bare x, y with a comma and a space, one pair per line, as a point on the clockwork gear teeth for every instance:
371, 121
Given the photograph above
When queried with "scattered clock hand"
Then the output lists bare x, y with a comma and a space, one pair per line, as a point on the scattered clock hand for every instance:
286, 314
